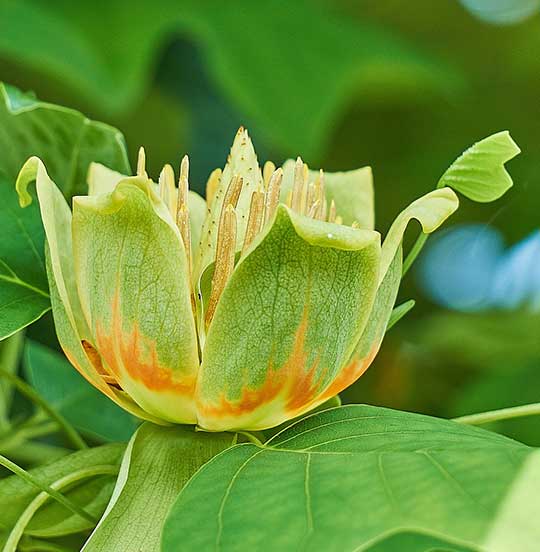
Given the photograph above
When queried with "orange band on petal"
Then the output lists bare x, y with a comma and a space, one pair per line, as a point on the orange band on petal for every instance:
134, 355
293, 381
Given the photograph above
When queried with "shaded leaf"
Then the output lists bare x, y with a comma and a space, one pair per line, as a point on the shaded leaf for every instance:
16, 494
78, 401
296, 105
157, 464
63, 138
350, 477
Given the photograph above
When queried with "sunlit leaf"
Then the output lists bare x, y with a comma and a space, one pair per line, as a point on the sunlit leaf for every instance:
479, 172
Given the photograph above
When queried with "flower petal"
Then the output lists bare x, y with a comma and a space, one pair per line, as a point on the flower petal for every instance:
352, 192
70, 323
101, 179
430, 211
133, 281
288, 320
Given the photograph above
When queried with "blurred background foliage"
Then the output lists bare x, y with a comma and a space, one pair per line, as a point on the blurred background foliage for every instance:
344, 84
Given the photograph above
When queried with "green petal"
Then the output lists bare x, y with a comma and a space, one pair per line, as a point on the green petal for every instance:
430, 211
101, 179
287, 322
70, 323
132, 277
479, 173
370, 342
352, 192
242, 161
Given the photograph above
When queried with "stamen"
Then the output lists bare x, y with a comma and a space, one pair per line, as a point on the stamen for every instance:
304, 197
320, 197
272, 194
311, 196
324, 209
167, 188
184, 167
212, 185
95, 360
256, 212
225, 255
288, 199
233, 191
355, 224
141, 163
182, 221
332, 213
314, 209
268, 171
183, 182
338, 220
297, 185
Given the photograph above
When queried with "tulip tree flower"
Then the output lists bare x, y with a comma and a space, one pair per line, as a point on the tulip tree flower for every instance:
235, 314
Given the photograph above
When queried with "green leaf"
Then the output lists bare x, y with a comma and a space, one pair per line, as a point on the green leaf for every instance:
399, 312
16, 494
479, 173
69, 393
351, 477
296, 106
292, 312
51, 520
10, 351
65, 139
24, 293
157, 464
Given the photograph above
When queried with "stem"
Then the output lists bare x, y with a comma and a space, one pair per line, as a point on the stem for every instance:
29, 392
251, 437
29, 478
41, 498
414, 252
502, 414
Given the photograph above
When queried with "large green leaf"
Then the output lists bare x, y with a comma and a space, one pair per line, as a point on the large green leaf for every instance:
67, 141
16, 494
157, 464
351, 477
294, 104
10, 351
23, 283
83, 405
63, 138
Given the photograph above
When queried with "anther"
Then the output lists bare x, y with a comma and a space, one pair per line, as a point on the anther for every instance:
298, 185
141, 163
225, 256
212, 185
256, 212
272, 194
167, 188
268, 171
332, 213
